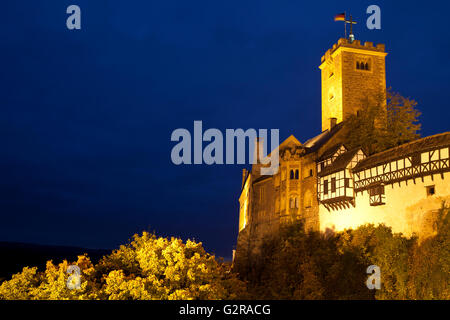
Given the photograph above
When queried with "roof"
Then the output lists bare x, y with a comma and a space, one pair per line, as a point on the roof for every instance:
420, 145
340, 163
261, 178
318, 141
289, 139
330, 151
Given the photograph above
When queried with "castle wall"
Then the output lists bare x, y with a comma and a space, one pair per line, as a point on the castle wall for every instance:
408, 209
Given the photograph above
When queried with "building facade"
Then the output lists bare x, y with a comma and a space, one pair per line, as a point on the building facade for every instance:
332, 188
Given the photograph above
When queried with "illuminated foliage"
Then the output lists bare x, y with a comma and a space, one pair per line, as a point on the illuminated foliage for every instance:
383, 123
147, 268
294, 265
297, 265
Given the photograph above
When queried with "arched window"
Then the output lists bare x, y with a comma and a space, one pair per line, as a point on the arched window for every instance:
357, 64
367, 66
291, 175
296, 174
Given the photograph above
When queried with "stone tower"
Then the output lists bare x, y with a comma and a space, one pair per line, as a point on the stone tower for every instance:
350, 72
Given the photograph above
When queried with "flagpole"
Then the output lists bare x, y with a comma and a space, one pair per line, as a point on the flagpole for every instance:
345, 24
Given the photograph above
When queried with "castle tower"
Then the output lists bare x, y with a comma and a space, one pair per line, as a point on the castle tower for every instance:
350, 72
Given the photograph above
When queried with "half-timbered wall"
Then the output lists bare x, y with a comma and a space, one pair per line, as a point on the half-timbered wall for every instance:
414, 166
403, 193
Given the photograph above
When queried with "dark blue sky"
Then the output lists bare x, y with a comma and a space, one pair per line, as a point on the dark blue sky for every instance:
86, 116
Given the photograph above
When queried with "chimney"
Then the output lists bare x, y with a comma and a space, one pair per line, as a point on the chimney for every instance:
244, 176
332, 122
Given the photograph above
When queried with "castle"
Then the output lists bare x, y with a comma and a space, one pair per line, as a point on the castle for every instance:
330, 187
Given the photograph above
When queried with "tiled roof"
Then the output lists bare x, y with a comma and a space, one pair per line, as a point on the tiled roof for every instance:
420, 145
340, 163
329, 152
318, 141
261, 178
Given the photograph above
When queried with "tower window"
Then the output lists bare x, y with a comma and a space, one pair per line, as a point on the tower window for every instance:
361, 65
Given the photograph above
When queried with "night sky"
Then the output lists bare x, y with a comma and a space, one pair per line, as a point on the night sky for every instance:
86, 116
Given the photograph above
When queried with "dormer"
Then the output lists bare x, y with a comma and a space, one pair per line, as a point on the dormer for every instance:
328, 157
335, 184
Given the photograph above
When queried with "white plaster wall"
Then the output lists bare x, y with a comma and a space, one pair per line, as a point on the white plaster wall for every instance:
408, 209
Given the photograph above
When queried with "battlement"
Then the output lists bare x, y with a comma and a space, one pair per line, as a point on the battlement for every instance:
356, 44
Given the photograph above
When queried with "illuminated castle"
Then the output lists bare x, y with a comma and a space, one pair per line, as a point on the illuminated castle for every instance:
332, 188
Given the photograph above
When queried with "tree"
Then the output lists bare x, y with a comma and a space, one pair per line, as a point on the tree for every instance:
430, 263
299, 265
147, 268
382, 123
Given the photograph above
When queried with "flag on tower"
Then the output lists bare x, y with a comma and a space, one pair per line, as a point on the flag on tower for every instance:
339, 17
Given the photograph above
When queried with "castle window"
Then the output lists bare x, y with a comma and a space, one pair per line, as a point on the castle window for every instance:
331, 74
293, 203
377, 196
431, 191
357, 65
325, 186
333, 185
293, 174
310, 172
366, 66
347, 182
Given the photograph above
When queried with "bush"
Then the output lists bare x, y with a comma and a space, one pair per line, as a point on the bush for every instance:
147, 268
299, 265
